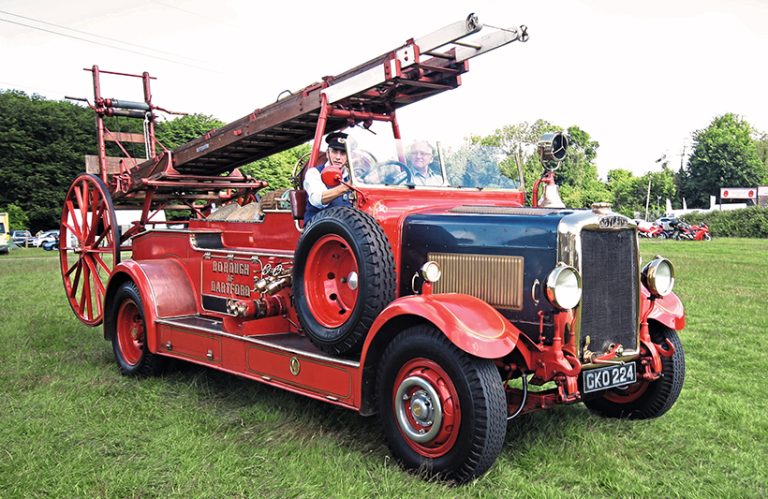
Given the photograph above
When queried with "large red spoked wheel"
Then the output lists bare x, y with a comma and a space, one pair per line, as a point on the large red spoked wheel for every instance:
343, 277
443, 410
89, 246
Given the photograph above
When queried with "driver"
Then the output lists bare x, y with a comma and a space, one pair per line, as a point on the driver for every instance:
320, 196
420, 154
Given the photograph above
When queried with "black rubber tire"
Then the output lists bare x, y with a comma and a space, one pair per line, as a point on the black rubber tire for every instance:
376, 279
659, 396
482, 405
148, 364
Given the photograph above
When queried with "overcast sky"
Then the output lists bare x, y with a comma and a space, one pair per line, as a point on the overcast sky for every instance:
639, 77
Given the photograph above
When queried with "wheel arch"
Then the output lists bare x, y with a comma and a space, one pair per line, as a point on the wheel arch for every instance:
471, 324
164, 287
667, 310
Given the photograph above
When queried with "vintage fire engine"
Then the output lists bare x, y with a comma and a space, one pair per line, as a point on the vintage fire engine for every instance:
448, 308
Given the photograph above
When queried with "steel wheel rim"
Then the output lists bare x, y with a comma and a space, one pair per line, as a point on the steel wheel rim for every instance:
131, 332
331, 281
89, 217
627, 394
426, 408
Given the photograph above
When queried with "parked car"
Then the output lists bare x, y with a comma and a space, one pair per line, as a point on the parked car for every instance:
22, 237
47, 236
51, 244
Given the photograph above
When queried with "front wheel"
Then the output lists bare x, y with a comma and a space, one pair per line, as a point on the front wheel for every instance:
443, 411
646, 399
126, 326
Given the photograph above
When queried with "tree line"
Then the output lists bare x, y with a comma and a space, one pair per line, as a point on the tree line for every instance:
43, 143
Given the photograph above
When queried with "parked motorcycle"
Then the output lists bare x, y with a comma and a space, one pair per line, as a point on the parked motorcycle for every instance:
701, 232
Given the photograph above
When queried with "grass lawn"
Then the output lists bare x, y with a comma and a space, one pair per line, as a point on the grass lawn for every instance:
70, 425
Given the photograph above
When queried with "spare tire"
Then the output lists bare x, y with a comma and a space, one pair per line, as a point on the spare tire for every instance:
343, 277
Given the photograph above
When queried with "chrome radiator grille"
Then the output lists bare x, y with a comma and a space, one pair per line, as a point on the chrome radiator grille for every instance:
495, 279
609, 305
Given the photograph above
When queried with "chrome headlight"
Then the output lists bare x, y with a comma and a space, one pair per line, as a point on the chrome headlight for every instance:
431, 271
564, 287
658, 276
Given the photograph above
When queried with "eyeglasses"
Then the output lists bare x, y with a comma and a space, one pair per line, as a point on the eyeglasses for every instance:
420, 153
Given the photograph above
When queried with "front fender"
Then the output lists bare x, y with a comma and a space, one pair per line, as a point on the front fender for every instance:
667, 310
468, 322
164, 288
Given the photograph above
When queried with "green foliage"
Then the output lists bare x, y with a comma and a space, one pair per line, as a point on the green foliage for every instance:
629, 192
276, 169
183, 129
724, 155
41, 151
747, 222
577, 175
18, 219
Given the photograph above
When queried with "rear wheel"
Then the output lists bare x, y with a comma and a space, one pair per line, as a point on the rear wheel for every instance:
646, 399
89, 247
126, 326
443, 411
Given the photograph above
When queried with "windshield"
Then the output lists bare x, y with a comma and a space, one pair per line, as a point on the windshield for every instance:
379, 159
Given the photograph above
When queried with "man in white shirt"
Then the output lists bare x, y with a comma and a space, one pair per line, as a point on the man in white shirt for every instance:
420, 155
319, 195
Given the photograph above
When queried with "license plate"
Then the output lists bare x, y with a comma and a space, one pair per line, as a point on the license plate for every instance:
595, 380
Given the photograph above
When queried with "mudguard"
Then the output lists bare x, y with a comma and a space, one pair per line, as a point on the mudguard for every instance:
468, 322
165, 290
667, 310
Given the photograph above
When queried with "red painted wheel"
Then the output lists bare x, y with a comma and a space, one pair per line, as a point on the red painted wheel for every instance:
426, 407
443, 411
646, 399
343, 277
131, 334
331, 280
88, 246
125, 325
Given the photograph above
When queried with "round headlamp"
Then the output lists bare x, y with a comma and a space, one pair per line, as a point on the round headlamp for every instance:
658, 277
430, 271
564, 287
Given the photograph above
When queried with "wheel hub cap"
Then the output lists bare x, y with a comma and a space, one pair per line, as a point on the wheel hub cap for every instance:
419, 400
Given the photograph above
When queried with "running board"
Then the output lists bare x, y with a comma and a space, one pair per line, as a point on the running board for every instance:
287, 342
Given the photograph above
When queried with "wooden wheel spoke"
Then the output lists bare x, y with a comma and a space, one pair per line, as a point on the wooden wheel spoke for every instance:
85, 299
82, 203
73, 267
97, 211
76, 281
97, 258
98, 284
75, 227
107, 231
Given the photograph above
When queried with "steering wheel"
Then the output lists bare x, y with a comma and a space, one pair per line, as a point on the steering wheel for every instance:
404, 176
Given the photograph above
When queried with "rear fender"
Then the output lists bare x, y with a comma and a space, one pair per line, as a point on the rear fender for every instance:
164, 287
667, 310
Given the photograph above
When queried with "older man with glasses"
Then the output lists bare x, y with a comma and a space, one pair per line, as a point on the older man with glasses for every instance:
420, 156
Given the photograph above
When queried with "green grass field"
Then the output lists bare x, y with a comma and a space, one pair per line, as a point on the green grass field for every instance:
70, 425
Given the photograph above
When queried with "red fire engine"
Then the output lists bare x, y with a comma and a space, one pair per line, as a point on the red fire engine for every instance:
446, 308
